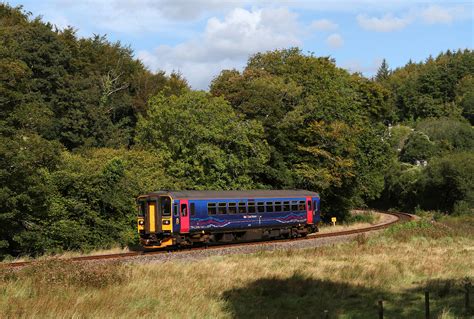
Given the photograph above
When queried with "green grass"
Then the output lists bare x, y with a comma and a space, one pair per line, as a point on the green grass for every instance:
346, 279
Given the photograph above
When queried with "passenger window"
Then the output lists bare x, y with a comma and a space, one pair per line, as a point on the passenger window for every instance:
286, 206
301, 205
251, 207
232, 208
211, 209
242, 208
184, 210
294, 206
221, 209
175, 210
261, 207
277, 206
309, 205
193, 209
269, 206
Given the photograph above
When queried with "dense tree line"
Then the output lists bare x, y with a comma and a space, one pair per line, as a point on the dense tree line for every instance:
85, 128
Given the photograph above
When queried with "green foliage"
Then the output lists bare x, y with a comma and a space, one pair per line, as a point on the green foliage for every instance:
465, 97
449, 181
383, 72
448, 134
81, 91
417, 148
398, 136
205, 143
438, 87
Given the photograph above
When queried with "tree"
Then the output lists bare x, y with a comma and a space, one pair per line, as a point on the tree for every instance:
449, 181
417, 148
383, 72
206, 144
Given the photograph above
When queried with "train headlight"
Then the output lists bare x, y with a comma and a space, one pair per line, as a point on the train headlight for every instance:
141, 222
166, 222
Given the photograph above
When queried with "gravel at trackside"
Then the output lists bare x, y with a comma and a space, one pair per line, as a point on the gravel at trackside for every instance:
197, 254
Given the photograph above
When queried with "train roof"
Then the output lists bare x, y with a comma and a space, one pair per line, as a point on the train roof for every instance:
235, 194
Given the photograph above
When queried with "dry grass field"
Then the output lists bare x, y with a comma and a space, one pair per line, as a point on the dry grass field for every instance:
347, 279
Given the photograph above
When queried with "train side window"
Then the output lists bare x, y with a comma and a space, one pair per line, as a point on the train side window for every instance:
242, 208
309, 205
192, 208
175, 210
286, 206
232, 208
294, 206
261, 207
269, 206
315, 205
184, 210
221, 209
277, 206
251, 207
211, 209
301, 205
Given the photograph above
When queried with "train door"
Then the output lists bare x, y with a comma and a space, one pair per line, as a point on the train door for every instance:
260, 212
184, 213
316, 210
309, 210
152, 217
176, 218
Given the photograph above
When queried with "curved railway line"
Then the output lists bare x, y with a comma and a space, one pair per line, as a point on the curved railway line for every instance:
400, 217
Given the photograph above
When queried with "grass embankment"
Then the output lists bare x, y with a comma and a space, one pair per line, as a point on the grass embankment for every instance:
346, 279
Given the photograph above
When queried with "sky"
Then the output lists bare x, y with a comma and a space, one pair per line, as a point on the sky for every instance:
200, 38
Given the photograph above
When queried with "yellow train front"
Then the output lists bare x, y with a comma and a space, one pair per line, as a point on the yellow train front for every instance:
182, 218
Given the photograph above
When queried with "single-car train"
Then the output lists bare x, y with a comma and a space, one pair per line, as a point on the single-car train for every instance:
183, 218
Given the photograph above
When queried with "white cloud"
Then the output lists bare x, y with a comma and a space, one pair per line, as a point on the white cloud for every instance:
437, 14
226, 43
432, 14
386, 23
323, 25
335, 41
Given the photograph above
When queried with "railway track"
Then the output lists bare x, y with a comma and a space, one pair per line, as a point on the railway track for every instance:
400, 217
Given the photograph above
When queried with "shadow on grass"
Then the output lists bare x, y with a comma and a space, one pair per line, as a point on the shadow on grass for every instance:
302, 297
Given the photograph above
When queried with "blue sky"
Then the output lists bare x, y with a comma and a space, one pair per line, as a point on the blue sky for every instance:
200, 38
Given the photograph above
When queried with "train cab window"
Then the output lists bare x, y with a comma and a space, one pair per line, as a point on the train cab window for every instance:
251, 207
294, 206
286, 206
269, 206
141, 208
184, 210
165, 205
277, 206
301, 205
175, 210
232, 208
242, 208
315, 205
192, 207
211, 209
221, 209
261, 207
309, 205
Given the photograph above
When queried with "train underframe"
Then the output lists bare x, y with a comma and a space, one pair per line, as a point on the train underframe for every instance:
169, 240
